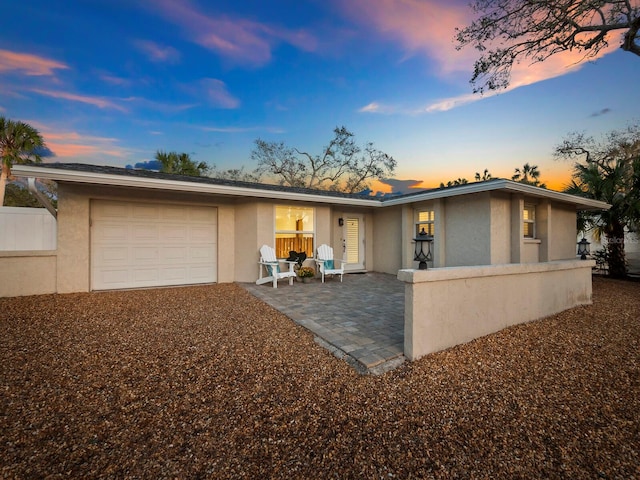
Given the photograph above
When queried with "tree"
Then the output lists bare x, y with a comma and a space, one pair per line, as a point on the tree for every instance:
484, 177
19, 143
609, 172
529, 175
181, 164
342, 164
453, 183
508, 31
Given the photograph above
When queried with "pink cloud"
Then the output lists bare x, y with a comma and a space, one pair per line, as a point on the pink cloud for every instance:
238, 40
158, 53
67, 144
28, 64
95, 101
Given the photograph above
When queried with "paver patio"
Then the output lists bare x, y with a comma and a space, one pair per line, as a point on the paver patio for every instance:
360, 319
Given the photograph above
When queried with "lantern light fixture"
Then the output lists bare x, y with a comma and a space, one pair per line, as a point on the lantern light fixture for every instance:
583, 248
421, 255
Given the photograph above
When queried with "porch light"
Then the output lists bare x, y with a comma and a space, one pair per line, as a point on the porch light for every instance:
583, 248
420, 254
340, 222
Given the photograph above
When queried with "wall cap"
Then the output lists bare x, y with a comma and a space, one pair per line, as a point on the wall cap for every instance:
459, 273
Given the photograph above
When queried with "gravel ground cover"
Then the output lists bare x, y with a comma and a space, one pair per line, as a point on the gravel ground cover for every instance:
209, 382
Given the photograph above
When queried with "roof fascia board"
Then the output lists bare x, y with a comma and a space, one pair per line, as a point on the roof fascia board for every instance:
192, 187
504, 185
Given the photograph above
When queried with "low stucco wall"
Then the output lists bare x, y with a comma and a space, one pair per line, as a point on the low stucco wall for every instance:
27, 273
445, 307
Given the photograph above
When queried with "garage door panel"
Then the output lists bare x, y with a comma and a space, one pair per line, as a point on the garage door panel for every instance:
116, 210
111, 256
112, 233
145, 276
205, 233
177, 275
175, 213
145, 245
145, 212
174, 254
201, 272
204, 254
145, 255
145, 233
114, 278
203, 215
174, 233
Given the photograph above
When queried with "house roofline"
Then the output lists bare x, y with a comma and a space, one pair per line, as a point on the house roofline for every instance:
502, 185
119, 177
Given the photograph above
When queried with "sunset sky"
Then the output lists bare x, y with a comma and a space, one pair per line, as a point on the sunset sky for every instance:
109, 82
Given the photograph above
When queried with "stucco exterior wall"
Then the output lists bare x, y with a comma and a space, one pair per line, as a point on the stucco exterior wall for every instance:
387, 240
449, 306
500, 229
27, 273
563, 228
73, 239
468, 230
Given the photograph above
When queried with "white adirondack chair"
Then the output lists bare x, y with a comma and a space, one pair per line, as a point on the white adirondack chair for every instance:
271, 264
327, 264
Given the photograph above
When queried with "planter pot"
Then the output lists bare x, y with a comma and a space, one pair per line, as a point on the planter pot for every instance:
307, 279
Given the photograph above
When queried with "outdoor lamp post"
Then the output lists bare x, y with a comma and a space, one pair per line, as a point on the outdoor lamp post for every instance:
583, 248
420, 255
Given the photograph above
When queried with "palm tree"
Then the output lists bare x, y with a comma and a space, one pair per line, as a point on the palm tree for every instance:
19, 143
484, 177
529, 174
611, 174
181, 164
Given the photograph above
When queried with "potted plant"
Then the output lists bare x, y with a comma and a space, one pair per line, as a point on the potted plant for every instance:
306, 273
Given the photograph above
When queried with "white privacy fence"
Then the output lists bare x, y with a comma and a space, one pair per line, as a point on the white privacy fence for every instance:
27, 229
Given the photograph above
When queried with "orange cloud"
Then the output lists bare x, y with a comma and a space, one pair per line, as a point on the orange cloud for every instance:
239, 40
29, 64
95, 101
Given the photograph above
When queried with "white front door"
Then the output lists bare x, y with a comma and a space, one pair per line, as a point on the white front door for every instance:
353, 242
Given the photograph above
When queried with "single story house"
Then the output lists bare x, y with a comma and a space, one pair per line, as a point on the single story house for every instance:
121, 228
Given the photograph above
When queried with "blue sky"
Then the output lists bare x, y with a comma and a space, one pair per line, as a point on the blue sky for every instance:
112, 81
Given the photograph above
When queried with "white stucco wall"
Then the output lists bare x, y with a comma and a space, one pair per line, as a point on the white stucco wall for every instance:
27, 273
468, 230
73, 271
500, 229
387, 240
448, 306
563, 227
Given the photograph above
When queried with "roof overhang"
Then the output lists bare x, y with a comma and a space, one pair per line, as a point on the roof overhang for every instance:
503, 185
111, 180
90, 177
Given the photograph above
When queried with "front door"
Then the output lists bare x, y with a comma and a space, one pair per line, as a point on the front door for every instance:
353, 242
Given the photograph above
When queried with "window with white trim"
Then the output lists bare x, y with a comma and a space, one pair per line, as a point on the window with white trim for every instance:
529, 220
426, 219
295, 230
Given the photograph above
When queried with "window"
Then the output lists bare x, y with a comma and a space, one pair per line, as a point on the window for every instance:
529, 216
426, 220
294, 230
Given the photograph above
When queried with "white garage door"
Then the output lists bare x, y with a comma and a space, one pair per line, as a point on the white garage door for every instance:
148, 245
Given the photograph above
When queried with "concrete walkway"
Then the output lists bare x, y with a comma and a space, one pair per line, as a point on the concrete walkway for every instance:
360, 319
